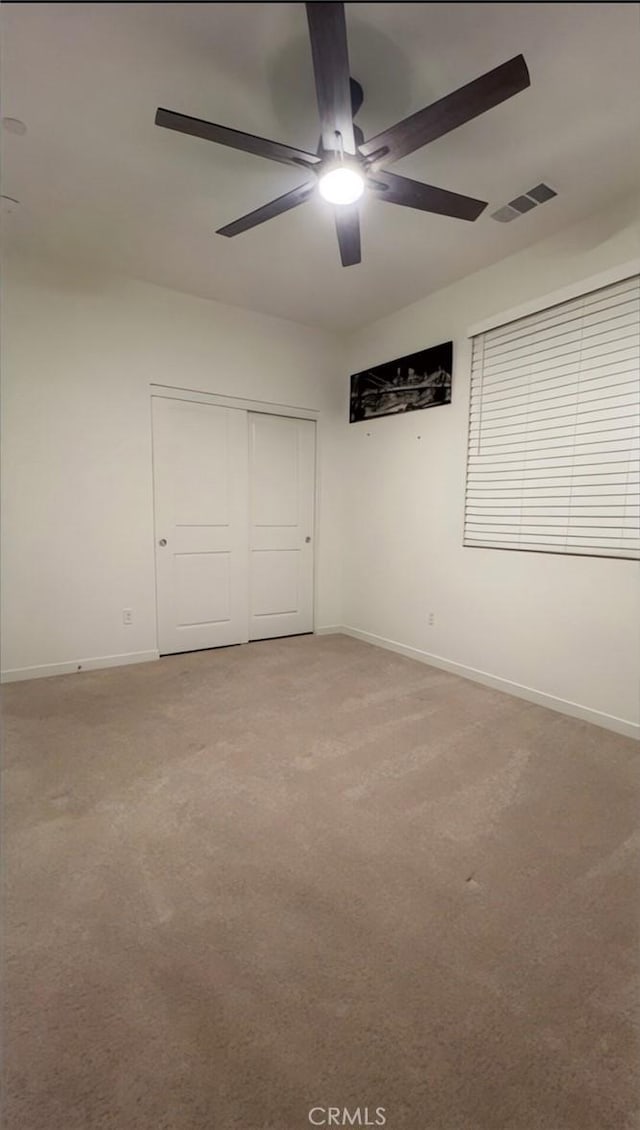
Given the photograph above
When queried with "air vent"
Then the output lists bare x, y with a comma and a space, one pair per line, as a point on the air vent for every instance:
541, 193
505, 215
522, 204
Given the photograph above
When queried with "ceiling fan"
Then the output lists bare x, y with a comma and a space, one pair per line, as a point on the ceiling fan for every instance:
345, 164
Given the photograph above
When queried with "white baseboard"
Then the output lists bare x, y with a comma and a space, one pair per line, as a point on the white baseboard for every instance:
43, 671
541, 698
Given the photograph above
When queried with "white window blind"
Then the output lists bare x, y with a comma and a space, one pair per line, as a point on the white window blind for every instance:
554, 455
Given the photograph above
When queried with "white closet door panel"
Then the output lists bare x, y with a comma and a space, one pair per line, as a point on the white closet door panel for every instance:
202, 588
276, 588
281, 487
200, 488
275, 485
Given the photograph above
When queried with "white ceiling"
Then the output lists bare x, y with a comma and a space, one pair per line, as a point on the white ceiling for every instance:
99, 182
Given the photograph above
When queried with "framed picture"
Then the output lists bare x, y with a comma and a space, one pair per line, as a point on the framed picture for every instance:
420, 380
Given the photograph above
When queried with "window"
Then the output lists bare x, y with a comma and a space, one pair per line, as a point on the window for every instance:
553, 457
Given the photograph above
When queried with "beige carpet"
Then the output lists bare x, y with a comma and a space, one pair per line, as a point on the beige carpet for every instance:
309, 873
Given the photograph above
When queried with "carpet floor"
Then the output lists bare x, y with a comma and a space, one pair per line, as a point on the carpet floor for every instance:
249, 885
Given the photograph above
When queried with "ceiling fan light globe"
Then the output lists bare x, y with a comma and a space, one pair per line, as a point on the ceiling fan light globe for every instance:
341, 186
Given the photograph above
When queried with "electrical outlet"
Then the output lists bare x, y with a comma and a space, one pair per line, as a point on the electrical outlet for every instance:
127, 616
431, 619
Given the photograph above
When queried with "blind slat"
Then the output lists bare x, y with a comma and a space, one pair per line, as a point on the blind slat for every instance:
521, 393
553, 462
593, 301
576, 351
502, 418
540, 546
549, 488
590, 304
539, 509
495, 437
619, 319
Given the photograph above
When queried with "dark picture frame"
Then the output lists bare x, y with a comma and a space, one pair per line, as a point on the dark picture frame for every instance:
419, 380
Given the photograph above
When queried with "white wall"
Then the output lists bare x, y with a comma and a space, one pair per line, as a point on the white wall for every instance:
79, 354
567, 627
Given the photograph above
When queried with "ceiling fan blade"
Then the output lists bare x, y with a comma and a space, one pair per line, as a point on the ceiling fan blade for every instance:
268, 211
235, 139
348, 229
449, 112
328, 34
414, 194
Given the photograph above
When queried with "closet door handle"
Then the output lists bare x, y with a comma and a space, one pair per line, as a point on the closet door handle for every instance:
307, 539
163, 541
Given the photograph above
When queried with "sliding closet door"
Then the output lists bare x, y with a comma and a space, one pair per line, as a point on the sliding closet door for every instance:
200, 462
281, 492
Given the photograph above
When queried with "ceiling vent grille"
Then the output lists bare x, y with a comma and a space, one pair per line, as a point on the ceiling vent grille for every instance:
522, 204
